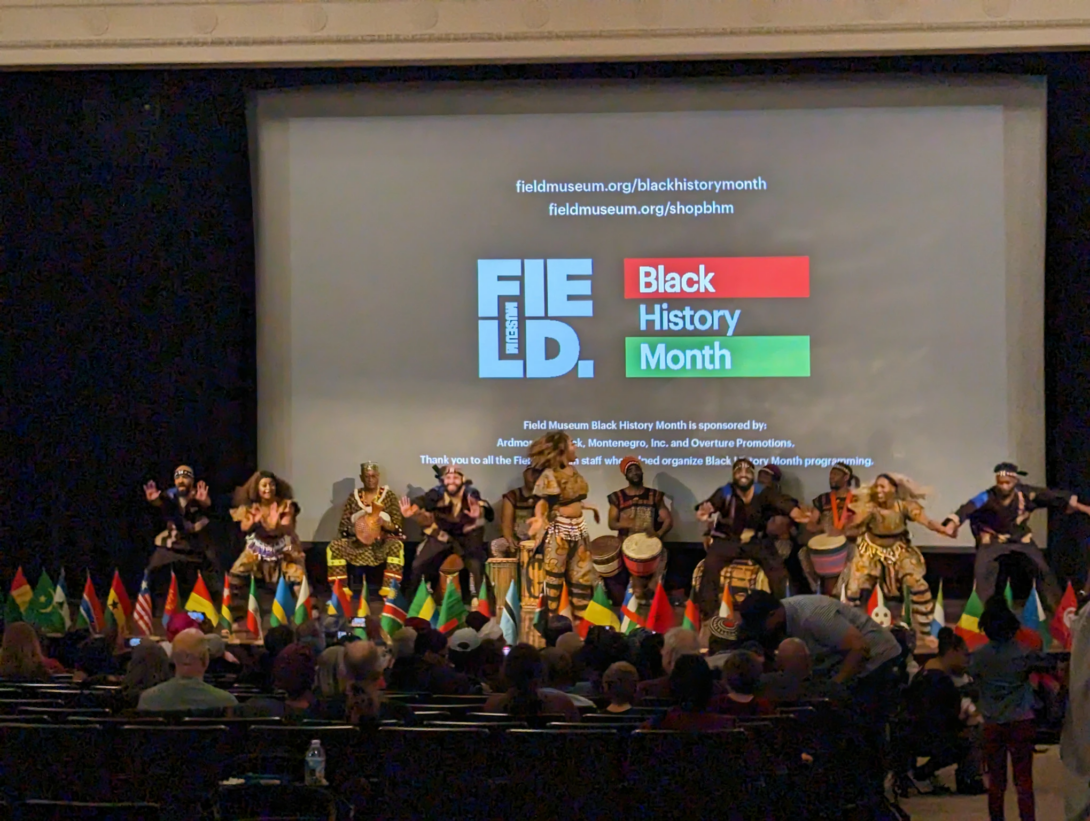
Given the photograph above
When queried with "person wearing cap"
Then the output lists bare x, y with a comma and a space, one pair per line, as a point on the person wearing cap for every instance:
183, 546
999, 520
738, 515
723, 639
636, 508
369, 535
831, 514
452, 515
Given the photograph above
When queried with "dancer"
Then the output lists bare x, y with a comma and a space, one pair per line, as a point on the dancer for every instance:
826, 554
266, 512
561, 494
884, 554
516, 511
452, 515
738, 515
638, 509
999, 519
370, 533
183, 545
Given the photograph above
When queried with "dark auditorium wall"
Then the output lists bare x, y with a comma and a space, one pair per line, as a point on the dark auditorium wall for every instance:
128, 288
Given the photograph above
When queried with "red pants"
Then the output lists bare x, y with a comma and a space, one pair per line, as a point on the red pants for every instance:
1017, 739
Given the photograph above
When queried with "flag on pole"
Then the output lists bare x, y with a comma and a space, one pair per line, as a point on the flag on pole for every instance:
423, 606
1060, 628
141, 614
283, 606
512, 614
1008, 594
599, 612
630, 619
726, 607
340, 603
20, 591
363, 611
225, 603
90, 611
302, 607
42, 611
200, 601
452, 614
12, 613
564, 608
171, 607
691, 621
118, 606
661, 617
541, 615
484, 604
253, 612
1033, 616
968, 626
876, 600
394, 610
60, 601
938, 617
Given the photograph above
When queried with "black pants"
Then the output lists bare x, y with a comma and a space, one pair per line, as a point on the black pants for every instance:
721, 552
433, 551
942, 751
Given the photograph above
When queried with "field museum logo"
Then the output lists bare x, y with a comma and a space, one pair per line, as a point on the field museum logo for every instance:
519, 306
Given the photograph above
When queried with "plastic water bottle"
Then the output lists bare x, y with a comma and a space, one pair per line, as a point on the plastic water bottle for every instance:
315, 765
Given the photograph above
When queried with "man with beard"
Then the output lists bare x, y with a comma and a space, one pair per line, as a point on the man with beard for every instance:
826, 554
638, 509
739, 513
999, 519
369, 535
452, 515
183, 545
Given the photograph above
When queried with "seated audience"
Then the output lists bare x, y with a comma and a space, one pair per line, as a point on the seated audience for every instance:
556, 627
312, 635
220, 661
275, 640
722, 640
365, 707
558, 676
431, 671
678, 642
96, 664
571, 643
21, 656
742, 674
691, 686
647, 653
619, 684
175, 625
523, 672
794, 679
402, 645
601, 649
491, 665
464, 652
330, 688
187, 690
293, 673
148, 667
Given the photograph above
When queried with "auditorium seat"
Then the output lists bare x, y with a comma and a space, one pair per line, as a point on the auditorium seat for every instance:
275, 802
60, 762
698, 775
76, 811
539, 721
158, 755
430, 772
344, 753
488, 726
62, 713
10, 707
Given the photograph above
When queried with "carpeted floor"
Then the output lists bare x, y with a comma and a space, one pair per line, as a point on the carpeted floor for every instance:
1048, 781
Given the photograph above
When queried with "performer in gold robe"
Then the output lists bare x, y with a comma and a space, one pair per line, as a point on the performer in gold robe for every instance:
370, 534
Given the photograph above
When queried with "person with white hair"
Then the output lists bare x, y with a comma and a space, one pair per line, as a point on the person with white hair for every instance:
678, 642
187, 690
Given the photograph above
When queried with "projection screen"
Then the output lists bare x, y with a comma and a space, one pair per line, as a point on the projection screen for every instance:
795, 272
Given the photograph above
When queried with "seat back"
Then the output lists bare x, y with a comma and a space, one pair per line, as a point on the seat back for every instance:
158, 754
77, 811
59, 762
416, 760
702, 772
275, 802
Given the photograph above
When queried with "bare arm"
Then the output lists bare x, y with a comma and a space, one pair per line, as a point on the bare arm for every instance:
614, 518
507, 521
854, 646
667, 519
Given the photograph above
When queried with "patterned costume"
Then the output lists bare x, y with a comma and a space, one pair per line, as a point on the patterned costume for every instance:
738, 578
523, 505
183, 546
834, 514
884, 556
272, 546
567, 543
387, 548
642, 507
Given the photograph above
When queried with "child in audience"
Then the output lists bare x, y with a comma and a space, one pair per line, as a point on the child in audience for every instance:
619, 683
742, 674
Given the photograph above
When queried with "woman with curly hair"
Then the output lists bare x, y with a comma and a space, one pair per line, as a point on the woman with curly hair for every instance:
561, 495
884, 554
266, 512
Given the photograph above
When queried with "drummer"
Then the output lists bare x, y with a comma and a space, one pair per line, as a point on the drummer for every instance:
638, 509
828, 524
516, 510
369, 535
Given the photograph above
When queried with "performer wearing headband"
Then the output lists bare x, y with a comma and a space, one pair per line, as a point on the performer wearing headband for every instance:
452, 515
183, 544
370, 533
738, 515
884, 554
826, 555
999, 519
516, 511
561, 494
266, 512
638, 509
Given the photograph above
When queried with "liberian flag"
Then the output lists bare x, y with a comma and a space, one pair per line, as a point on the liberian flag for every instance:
141, 615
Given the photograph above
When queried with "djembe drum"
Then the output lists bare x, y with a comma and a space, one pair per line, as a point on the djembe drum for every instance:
368, 526
829, 555
448, 574
646, 562
501, 574
605, 552
532, 567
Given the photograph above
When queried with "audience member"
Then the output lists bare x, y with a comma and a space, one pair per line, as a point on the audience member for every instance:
1074, 740
558, 676
293, 673
175, 625
311, 634
757, 650
691, 686
96, 664
648, 653
570, 643
400, 675
21, 656
431, 671
523, 672
601, 649
933, 716
794, 679
742, 674
464, 651
1001, 671
330, 687
556, 627
722, 640
148, 667
678, 642
365, 706
220, 661
491, 665
187, 690
619, 684
276, 640
477, 621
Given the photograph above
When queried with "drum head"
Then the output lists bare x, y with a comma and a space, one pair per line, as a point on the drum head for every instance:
639, 547
605, 546
368, 528
824, 541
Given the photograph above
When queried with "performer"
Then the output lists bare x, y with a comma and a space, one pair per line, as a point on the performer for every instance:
183, 544
638, 509
266, 512
516, 511
827, 552
738, 514
452, 515
999, 519
370, 533
884, 553
561, 494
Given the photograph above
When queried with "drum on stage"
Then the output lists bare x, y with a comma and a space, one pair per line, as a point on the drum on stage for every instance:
829, 554
368, 526
448, 574
501, 573
741, 577
642, 554
605, 552
532, 565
